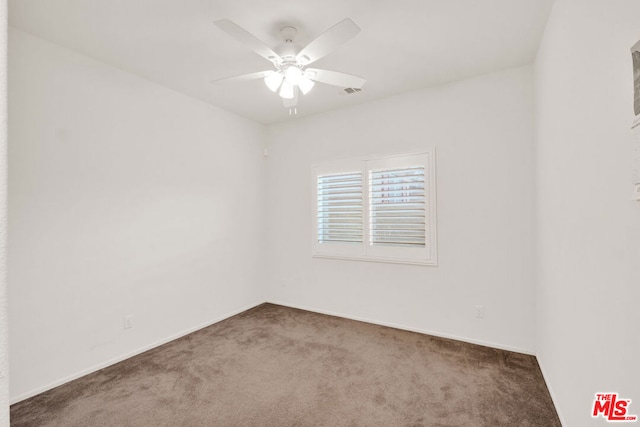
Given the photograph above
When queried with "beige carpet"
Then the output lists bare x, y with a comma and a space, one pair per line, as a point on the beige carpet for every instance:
277, 366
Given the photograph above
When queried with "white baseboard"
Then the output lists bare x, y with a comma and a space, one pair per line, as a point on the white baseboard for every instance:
158, 343
407, 328
118, 359
553, 395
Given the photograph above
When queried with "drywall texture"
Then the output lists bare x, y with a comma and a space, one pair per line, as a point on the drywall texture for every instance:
588, 227
483, 133
126, 198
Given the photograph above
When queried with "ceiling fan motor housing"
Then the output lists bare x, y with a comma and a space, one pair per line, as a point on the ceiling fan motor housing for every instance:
288, 49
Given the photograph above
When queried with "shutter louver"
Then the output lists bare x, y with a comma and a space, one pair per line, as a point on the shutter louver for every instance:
397, 203
340, 208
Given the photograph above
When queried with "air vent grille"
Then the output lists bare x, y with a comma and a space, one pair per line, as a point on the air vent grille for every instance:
352, 90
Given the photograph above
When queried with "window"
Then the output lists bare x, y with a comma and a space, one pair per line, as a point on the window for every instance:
376, 209
340, 208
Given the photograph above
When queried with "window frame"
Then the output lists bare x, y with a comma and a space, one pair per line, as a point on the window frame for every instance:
365, 251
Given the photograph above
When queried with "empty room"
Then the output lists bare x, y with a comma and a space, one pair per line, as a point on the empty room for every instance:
303, 213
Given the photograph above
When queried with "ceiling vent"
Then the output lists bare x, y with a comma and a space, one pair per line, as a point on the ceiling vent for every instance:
352, 90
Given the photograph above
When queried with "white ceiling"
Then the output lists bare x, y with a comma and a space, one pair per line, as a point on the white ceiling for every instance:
404, 44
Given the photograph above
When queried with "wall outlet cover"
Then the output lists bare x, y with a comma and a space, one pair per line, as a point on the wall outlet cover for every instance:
128, 321
479, 311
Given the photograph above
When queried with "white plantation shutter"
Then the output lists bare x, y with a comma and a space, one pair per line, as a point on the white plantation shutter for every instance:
340, 208
380, 209
397, 207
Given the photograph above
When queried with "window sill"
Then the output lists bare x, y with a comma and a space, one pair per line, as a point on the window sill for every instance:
426, 263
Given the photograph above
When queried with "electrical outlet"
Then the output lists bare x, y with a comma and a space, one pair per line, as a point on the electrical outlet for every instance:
128, 321
480, 311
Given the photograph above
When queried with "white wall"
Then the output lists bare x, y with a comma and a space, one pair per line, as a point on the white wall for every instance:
125, 198
588, 229
483, 132
4, 307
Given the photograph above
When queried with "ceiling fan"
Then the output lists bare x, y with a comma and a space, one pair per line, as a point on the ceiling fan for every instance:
290, 73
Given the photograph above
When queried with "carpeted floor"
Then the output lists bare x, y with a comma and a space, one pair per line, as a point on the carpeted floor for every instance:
277, 366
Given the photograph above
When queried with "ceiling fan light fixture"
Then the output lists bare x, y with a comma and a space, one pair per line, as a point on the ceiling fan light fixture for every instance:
305, 84
273, 80
293, 75
286, 90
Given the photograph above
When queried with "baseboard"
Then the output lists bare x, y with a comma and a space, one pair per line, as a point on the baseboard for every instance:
158, 343
118, 359
407, 328
551, 393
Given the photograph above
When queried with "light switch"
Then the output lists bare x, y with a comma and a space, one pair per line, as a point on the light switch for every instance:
636, 192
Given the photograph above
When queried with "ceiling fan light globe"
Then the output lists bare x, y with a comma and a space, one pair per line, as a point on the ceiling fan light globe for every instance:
305, 84
273, 80
286, 90
293, 75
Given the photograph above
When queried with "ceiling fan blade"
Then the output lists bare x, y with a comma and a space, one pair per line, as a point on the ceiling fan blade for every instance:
242, 35
328, 41
243, 77
335, 78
